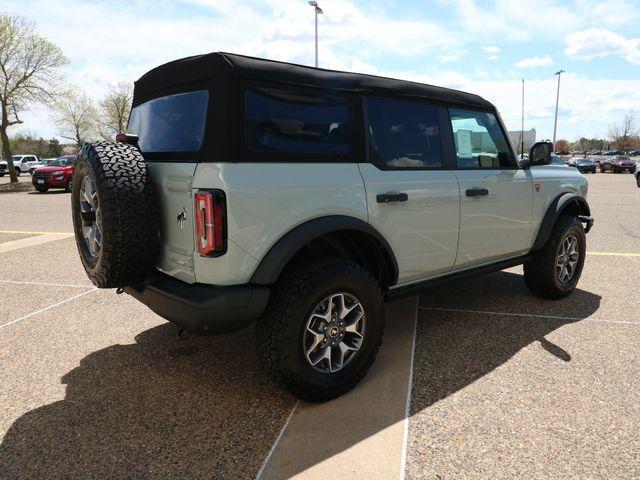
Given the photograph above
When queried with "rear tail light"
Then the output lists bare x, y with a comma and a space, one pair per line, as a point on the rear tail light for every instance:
211, 223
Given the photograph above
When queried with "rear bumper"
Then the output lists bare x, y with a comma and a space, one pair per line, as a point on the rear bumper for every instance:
200, 308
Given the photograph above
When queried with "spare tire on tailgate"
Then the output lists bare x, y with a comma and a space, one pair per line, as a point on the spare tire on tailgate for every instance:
115, 217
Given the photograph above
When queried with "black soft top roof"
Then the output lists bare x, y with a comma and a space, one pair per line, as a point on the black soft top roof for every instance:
199, 68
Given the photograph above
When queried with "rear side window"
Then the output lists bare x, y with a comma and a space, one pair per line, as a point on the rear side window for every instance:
403, 134
479, 140
174, 123
287, 121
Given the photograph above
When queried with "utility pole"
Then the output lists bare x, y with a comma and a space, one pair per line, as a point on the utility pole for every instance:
318, 11
555, 122
522, 127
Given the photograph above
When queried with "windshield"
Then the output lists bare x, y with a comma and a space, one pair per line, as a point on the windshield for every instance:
174, 123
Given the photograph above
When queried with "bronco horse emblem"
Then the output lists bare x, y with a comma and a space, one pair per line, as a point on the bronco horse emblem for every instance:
182, 218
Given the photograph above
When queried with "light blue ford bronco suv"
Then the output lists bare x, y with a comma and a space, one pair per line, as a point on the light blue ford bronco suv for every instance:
303, 199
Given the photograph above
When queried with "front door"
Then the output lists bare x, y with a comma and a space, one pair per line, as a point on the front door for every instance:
412, 199
496, 196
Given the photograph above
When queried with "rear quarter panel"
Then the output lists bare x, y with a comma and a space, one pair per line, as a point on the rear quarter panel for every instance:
267, 200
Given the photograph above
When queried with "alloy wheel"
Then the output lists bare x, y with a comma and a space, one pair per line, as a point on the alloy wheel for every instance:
90, 216
334, 332
567, 259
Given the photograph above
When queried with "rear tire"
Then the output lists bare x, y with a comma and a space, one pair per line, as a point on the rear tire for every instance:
290, 336
115, 216
544, 275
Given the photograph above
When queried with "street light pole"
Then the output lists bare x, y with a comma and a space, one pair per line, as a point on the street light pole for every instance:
555, 122
318, 11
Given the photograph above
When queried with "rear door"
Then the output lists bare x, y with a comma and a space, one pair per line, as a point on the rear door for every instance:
496, 195
412, 195
170, 130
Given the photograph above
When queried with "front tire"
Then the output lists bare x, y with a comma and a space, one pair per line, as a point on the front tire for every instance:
554, 271
322, 328
42, 189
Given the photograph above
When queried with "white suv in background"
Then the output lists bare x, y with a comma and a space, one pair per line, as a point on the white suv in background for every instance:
22, 164
302, 199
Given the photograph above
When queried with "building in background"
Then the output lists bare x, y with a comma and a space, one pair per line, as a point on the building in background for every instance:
528, 136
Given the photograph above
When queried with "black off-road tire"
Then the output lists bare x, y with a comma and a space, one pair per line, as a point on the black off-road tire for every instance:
540, 273
42, 189
279, 334
128, 213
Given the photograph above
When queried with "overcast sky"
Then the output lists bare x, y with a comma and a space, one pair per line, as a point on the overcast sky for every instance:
483, 47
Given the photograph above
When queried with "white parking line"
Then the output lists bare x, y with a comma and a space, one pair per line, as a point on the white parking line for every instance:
531, 315
275, 443
30, 242
46, 308
45, 284
407, 408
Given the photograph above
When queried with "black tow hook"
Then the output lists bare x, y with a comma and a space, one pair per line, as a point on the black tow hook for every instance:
183, 334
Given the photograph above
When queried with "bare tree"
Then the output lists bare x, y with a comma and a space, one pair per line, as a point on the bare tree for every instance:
114, 110
29, 66
76, 116
623, 134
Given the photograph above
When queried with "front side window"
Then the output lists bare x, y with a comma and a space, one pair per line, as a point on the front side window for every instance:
479, 140
175, 123
282, 121
403, 134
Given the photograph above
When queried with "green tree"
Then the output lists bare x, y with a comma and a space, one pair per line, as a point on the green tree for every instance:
114, 110
76, 116
29, 66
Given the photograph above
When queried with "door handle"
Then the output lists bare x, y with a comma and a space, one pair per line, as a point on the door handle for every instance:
477, 192
392, 197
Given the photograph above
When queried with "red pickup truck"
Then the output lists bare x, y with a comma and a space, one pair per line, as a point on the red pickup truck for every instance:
57, 174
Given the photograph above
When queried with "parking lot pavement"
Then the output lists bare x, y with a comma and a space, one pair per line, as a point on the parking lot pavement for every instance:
504, 384
35, 211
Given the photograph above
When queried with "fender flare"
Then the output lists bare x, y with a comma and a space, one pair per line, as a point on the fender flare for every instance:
289, 244
558, 205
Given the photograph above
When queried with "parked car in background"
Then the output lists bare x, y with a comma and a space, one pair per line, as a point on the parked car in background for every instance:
585, 165
22, 164
618, 165
597, 161
57, 174
41, 163
637, 174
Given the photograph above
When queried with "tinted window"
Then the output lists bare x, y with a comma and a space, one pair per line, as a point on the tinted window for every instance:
403, 134
291, 122
479, 140
174, 123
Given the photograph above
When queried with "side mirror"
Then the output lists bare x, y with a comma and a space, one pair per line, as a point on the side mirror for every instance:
540, 153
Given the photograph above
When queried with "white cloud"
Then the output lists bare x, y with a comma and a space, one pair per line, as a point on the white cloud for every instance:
491, 49
533, 62
598, 42
493, 58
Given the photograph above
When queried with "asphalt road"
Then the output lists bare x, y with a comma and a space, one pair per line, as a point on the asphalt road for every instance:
500, 384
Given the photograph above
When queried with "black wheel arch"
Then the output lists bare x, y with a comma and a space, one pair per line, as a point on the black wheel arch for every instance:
343, 235
569, 203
